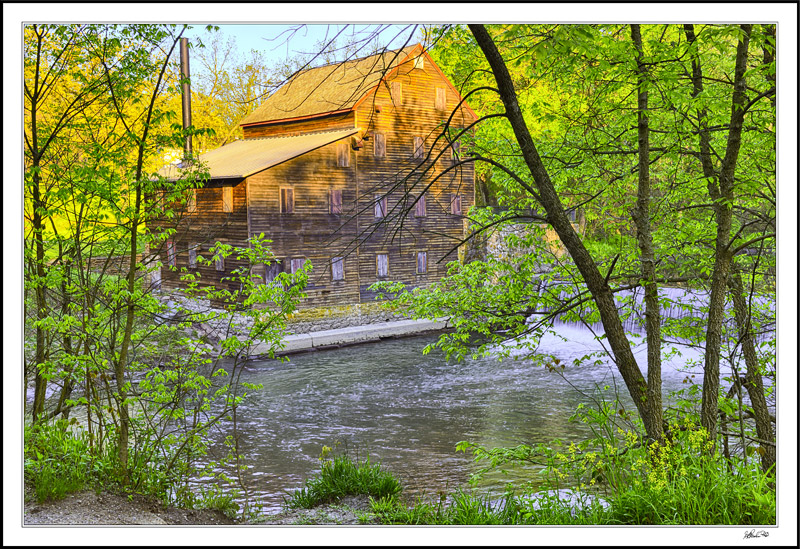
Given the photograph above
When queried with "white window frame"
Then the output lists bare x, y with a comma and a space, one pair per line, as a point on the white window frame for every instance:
381, 206
172, 254
331, 202
419, 147
193, 255
424, 254
455, 200
421, 207
294, 267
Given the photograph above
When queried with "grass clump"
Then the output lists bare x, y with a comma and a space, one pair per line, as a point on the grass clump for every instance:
57, 461
342, 476
460, 508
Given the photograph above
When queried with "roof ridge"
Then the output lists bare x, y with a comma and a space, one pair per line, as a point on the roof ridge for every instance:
357, 59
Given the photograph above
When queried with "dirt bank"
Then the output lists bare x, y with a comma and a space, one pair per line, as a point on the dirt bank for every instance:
90, 508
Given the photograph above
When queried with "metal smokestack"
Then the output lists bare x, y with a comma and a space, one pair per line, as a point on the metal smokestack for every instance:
186, 93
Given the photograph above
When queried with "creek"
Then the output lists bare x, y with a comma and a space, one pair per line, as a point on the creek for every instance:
409, 411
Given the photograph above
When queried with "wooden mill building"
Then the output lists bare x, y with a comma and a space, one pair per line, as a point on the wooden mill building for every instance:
346, 166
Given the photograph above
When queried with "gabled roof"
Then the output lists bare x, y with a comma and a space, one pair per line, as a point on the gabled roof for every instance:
243, 158
335, 88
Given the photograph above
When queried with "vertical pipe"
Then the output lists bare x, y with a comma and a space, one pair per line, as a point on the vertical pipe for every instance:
187, 98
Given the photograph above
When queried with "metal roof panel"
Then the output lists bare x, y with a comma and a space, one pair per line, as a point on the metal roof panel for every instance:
249, 156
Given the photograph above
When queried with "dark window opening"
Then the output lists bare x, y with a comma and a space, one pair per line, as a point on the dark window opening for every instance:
336, 201
287, 200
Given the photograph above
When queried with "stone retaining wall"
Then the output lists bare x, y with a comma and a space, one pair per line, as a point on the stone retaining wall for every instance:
346, 316
301, 322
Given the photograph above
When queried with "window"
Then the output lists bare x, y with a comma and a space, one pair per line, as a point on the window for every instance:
193, 255
455, 147
573, 215
441, 99
336, 201
155, 276
419, 208
455, 204
380, 145
419, 62
381, 203
419, 147
382, 264
337, 268
227, 199
287, 200
397, 93
171, 253
272, 270
297, 263
422, 262
219, 263
191, 203
257, 273
343, 155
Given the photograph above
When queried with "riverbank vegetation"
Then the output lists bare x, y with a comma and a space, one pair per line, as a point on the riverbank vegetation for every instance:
125, 395
617, 162
622, 483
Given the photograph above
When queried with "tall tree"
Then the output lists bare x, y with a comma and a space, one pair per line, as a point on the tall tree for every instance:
563, 109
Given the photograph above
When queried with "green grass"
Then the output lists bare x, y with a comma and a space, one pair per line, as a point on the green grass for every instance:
675, 484
342, 477
57, 460
678, 483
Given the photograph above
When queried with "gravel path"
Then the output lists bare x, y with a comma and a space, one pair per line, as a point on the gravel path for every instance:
90, 508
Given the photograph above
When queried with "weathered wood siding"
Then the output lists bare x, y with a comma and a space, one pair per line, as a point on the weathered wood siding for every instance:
203, 228
325, 123
411, 111
311, 231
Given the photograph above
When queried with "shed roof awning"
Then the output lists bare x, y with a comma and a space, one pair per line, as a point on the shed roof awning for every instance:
243, 158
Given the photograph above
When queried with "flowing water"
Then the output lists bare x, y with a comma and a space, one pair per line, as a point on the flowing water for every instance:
409, 411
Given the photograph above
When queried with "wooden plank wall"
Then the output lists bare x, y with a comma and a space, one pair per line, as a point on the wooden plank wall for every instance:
417, 115
311, 231
327, 123
205, 227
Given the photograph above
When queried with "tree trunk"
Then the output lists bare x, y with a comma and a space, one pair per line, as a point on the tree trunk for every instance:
40, 382
556, 217
722, 261
644, 235
753, 382
122, 362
